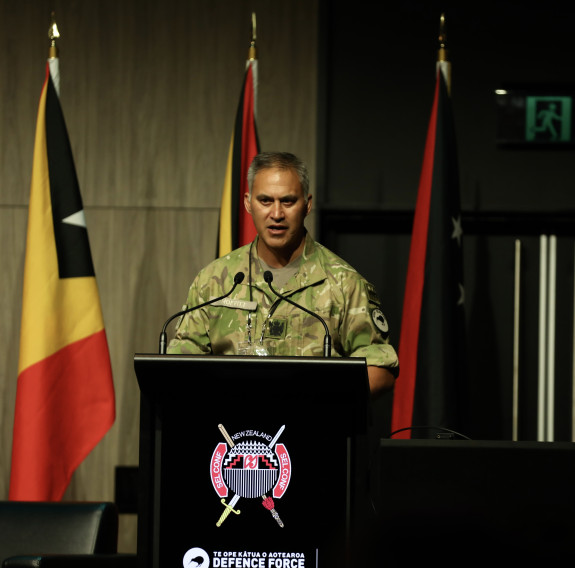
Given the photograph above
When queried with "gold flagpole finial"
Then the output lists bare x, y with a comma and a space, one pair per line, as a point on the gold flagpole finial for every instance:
442, 54
252, 53
53, 35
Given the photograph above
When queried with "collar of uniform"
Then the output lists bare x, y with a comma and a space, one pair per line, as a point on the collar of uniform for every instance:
311, 269
305, 276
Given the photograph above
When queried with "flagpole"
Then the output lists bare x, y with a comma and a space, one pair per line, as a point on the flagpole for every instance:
252, 60
53, 53
253, 52
53, 35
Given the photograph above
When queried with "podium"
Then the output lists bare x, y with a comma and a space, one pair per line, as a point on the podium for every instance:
251, 461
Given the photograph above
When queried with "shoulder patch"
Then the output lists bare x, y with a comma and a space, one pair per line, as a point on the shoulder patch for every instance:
380, 321
372, 294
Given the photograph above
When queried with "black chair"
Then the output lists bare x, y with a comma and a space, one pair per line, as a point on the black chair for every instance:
60, 535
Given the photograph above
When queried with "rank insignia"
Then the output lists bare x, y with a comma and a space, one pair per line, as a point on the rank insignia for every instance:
276, 328
372, 295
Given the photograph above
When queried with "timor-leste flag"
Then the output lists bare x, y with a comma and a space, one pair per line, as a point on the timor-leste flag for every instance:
65, 396
428, 392
236, 227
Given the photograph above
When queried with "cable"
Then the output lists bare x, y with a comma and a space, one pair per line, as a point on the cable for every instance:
441, 428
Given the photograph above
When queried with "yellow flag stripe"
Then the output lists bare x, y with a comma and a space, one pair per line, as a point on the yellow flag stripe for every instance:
225, 234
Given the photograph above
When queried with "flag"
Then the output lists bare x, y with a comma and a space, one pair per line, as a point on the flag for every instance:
65, 394
236, 227
428, 392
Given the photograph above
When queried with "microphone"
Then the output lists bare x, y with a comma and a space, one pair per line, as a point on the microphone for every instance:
163, 337
268, 277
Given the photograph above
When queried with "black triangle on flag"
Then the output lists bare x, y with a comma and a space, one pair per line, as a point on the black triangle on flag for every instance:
70, 233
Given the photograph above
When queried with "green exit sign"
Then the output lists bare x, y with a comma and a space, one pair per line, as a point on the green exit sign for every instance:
535, 118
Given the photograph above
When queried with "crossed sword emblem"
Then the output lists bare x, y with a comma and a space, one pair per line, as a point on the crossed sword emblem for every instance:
229, 507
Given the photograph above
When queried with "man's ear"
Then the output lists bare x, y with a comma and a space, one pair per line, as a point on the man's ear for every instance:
308, 205
247, 203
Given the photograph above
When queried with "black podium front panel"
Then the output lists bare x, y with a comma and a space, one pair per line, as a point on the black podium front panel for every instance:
247, 461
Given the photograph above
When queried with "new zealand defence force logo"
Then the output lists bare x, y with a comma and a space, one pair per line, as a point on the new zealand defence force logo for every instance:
256, 467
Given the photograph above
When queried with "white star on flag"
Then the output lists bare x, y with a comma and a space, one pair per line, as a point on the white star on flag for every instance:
461, 299
77, 219
457, 230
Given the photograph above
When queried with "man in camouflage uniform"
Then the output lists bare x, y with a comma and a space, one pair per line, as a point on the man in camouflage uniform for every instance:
254, 320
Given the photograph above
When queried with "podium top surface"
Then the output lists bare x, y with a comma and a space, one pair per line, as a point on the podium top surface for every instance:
250, 366
335, 374
340, 383
249, 360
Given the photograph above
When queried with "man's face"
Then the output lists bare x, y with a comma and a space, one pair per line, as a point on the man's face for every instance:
278, 209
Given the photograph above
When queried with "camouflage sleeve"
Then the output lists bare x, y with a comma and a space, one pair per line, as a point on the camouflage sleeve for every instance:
364, 330
192, 331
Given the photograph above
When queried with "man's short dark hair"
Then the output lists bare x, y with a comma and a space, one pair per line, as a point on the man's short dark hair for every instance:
283, 161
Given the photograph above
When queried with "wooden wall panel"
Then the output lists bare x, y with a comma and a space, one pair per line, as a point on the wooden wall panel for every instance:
12, 239
149, 91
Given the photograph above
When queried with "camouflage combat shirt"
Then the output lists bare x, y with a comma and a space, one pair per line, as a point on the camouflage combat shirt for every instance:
324, 284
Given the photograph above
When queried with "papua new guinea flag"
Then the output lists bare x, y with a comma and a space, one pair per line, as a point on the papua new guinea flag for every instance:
236, 227
429, 392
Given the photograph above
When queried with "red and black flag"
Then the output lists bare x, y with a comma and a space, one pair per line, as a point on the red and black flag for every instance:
432, 339
236, 227
65, 399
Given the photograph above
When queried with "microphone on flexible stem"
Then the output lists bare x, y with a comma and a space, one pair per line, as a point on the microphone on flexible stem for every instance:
268, 277
163, 337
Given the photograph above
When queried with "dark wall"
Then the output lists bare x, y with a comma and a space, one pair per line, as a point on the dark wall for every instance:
377, 75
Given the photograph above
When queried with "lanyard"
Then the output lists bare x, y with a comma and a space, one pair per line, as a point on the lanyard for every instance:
270, 313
